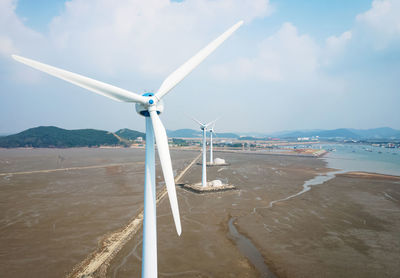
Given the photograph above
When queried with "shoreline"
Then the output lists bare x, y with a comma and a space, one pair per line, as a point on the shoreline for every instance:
368, 175
316, 154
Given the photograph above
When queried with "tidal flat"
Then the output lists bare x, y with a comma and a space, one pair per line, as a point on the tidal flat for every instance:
56, 205
347, 226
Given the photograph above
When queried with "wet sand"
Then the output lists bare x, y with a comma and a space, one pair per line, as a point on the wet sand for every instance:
204, 248
345, 227
348, 226
51, 220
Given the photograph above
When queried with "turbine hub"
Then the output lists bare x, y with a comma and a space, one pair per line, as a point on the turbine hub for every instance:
153, 104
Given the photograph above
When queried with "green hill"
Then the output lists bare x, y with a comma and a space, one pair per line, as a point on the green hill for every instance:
129, 134
54, 137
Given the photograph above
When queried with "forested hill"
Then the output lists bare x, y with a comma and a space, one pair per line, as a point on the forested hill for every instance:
130, 134
54, 137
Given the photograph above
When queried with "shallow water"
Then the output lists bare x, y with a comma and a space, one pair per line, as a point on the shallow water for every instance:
317, 180
365, 158
249, 250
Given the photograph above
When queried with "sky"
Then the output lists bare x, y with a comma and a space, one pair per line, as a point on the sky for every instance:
293, 64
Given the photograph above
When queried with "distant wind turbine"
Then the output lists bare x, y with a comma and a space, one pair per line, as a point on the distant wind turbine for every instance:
150, 106
212, 131
204, 127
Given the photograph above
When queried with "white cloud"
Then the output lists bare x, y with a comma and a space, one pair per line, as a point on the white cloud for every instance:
14, 36
128, 43
287, 55
151, 37
283, 56
381, 23
134, 40
335, 46
6, 46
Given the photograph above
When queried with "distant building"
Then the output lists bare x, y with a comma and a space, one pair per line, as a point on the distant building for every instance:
139, 139
303, 139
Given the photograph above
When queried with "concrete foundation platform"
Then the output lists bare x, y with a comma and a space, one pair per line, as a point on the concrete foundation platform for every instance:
213, 164
198, 188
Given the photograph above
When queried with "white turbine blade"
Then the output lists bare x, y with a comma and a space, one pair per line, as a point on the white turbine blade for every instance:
197, 121
98, 87
212, 122
165, 159
178, 75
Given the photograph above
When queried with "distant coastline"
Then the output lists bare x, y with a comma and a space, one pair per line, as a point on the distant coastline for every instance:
55, 137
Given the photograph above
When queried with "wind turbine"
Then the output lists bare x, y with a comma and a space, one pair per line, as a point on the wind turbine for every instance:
203, 127
150, 106
212, 130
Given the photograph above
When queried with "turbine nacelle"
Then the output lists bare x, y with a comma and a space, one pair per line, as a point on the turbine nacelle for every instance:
153, 104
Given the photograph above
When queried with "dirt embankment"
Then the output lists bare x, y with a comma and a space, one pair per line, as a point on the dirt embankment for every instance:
367, 175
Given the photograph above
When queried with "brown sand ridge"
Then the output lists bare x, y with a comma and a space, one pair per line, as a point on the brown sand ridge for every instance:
367, 175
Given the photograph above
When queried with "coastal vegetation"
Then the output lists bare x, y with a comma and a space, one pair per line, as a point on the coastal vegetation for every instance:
55, 137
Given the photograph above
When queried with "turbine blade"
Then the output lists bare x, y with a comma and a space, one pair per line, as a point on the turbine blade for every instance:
197, 121
212, 122
165, 159
178, 75
98, 87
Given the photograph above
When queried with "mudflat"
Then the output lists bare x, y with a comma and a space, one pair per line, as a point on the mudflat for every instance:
348, 226
345, 227
56, 205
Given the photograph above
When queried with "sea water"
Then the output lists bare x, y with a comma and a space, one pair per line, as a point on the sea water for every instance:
366, 158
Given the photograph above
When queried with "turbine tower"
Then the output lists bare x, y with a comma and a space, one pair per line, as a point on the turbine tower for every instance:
150, 106
212, 130
203, 127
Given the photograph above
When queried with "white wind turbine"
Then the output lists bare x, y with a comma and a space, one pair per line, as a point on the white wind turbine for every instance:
203, 127
150, 106
212, 131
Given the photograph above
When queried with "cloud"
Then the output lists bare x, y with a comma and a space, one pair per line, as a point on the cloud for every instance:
14, 35
285, 55
291, 74
6, 46
335, 46
150, 37
290, 56
381, 23
129, 43
141, 37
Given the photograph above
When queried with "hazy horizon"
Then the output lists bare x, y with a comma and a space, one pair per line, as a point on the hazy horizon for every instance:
191, 128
